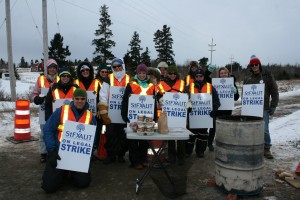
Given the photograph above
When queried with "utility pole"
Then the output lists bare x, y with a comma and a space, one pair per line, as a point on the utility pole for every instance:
45, 32
9, 52
212, 45
231, 59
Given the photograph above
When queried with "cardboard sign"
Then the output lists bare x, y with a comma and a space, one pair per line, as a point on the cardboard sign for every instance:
91, 99
114, 104
59, 102
201, 107
175, 107
44, 92
226, 96
76, 146
140, 104
253, 100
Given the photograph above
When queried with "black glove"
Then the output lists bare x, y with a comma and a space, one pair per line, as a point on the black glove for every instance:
272, 110
213, 113
38, 100
126, 119
52, 158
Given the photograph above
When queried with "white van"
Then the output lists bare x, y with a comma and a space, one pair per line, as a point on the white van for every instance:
5, 76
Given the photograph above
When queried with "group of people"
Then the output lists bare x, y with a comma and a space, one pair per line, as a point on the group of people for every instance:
56, 84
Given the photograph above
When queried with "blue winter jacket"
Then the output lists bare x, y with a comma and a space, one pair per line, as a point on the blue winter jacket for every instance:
50, 128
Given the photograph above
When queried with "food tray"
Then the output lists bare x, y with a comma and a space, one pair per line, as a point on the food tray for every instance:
145, 133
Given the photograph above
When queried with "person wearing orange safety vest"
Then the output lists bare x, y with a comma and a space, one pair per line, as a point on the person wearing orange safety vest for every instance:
46, 80
140, 85
116, 145
200, 134
76, 111
173, 84
190, 77
63, 89
85, 80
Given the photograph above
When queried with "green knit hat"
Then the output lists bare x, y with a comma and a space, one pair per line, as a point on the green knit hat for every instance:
172, 69
80, 93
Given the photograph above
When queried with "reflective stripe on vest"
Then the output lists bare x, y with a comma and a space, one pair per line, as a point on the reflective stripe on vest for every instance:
44, 83
137, 89
58, 94
113, 80
93, 86
205, 88
65, 116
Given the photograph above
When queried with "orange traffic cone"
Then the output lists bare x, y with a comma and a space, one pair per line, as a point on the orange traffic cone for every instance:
102, 153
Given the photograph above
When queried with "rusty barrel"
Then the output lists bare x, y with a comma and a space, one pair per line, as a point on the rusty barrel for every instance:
239, 154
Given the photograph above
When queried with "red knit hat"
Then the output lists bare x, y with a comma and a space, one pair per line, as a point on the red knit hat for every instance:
141, 68
254, 60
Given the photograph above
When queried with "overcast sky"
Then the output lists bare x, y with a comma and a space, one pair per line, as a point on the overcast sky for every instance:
270, 29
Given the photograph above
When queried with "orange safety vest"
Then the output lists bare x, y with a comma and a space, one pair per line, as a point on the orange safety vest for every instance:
44, 83
178, 87
137, 89
188, 80
207, 88
93, 86
58, 94
115, 82
67, 114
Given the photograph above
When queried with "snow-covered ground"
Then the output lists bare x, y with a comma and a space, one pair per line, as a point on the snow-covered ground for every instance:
283, 130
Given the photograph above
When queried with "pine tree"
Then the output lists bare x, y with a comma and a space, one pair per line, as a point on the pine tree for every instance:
23, 64
203, 61
103, 44
163, 45
57, 51
145, 57
135, 48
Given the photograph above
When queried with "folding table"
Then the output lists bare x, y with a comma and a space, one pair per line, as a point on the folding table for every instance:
174, 134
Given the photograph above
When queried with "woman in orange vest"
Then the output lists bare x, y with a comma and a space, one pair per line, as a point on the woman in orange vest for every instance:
46, 80
174, 84
200, 134
63, 89
190, 77
140, 85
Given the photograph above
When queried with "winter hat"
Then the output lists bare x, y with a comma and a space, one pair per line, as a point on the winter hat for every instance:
141, 68
116, 62
199, 71
83, 67
64, 70
254, 60
80, 93
162, 65
51, 62
172, 69
102, 66
194, 63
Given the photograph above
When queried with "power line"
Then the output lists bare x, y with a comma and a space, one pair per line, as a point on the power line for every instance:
56, 16
36, 26
10, 10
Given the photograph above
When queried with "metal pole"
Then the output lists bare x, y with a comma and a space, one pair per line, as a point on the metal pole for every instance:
9, 52
231, 58
212, 45
45, 33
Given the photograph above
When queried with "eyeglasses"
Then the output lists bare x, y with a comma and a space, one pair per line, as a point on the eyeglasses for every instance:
65, 76
85, 70
172, 73
105, 72
117, 66
80, 98
256, 64
200, 76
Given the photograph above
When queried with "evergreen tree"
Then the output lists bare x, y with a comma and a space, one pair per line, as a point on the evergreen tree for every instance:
103, 44
203, 62
16, 73
145, 57
128, 64
57, 51
135, 48
23, 64
163, 45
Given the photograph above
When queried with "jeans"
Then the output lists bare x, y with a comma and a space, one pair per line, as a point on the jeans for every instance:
266, 131
43, 149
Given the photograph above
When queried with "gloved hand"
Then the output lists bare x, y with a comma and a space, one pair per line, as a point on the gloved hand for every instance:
103, 113
38, 100
105, 118
272, 110
189, 104
234, 90
162, 101
211, 68
52, 158
213, 113
126, 119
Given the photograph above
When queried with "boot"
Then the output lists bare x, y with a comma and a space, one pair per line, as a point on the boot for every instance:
267, 153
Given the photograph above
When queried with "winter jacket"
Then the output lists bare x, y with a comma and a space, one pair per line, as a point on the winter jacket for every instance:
271, 88
52, 124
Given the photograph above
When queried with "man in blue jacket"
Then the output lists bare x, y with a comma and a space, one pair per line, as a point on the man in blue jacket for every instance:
76, 111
